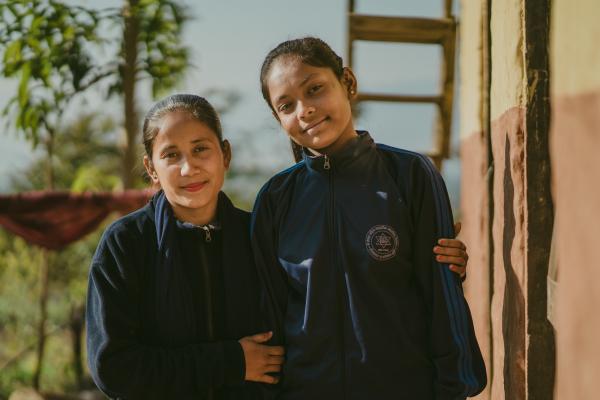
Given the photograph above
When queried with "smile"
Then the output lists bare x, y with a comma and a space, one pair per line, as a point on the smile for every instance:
194, 187
312, 127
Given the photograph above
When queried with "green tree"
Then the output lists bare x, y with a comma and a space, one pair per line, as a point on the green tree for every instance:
45, 48
45, 45
150, 49
86, 158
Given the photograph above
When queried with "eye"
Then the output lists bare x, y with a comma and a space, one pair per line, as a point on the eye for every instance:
314, 89
200, 149
283, 107
170, 155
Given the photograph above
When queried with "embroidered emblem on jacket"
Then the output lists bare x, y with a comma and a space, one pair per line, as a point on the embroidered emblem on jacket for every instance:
382, 242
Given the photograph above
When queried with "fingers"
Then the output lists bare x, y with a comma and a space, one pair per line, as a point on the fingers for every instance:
273, 368
451, 251
275, 350
460, 261
261, 337
276, 359
452, 243
267, 379
457, 227
461, 271
267, 363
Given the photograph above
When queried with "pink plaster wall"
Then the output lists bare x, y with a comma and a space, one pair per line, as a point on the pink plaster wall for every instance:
503, 342
575, 153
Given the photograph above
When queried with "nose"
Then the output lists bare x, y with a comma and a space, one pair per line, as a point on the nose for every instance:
188, 167
305, 110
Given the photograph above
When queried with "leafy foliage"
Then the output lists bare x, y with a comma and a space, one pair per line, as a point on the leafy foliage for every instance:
47, 45
86, 158
46, 48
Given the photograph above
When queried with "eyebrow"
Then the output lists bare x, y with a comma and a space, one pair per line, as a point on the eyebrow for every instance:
308, 77
196, 141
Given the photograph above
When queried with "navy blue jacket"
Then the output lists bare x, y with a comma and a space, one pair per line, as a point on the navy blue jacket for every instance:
135, 351
343, 246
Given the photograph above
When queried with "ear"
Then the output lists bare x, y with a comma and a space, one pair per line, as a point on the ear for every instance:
226, 153
350, 83
151, 171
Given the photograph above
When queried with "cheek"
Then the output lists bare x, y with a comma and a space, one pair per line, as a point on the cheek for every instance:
290, 125
167, 173
216, 166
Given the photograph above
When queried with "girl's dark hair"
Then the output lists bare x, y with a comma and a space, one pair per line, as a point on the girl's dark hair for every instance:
311, 51
197, 107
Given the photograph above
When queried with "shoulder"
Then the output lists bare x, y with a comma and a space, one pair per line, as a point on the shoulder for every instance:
417, 166
125, 235
283, 179
407, 158
277, 193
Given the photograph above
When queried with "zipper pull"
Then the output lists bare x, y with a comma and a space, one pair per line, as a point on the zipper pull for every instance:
326, 164
207, 236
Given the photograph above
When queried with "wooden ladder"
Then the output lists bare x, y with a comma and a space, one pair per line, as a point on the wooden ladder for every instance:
441, 31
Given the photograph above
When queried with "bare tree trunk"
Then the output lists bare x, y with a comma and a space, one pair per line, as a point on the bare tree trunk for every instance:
43, 302
44, 269
128, 74
76, 327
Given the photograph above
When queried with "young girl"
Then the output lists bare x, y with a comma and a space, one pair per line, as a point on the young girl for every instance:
343, 244
172, 286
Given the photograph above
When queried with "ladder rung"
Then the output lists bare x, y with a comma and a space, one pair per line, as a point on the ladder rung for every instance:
398, 98
400, 29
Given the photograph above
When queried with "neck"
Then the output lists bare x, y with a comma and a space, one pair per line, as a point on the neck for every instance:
334, 148
196, 216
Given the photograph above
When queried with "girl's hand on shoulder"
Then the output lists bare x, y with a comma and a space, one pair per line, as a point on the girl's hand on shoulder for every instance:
453, 252
261, 359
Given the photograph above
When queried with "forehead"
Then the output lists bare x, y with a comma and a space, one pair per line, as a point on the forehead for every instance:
289, 71
181, 126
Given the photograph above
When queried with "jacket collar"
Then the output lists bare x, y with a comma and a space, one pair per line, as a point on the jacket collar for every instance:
354, 153
224, 206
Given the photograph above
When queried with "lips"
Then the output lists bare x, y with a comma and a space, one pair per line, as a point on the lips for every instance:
310, 129
194, 187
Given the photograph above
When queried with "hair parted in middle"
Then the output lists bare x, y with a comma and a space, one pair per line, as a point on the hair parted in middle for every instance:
196, 106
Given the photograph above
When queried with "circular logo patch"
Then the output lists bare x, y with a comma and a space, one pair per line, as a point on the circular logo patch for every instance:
382, 242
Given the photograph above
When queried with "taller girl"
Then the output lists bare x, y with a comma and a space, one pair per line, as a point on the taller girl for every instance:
343, 245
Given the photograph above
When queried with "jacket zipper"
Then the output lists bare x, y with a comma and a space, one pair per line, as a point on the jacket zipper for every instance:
340, 283
207, 296
207, 236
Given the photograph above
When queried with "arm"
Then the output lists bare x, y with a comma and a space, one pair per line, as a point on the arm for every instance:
272, 276
460, 371
123, 366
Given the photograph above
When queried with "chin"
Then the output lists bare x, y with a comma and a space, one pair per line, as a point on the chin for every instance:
321, 144
193, 200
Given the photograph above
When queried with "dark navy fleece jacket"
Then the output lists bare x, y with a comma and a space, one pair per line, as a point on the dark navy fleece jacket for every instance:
131, 353
343, 245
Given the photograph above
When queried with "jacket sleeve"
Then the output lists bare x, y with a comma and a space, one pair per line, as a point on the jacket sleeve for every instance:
272, 277
273, 280
124, 367
459, 368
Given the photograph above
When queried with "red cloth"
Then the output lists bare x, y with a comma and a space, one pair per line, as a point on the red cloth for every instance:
54, 219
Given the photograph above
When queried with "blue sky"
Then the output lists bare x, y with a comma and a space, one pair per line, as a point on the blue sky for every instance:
228, 40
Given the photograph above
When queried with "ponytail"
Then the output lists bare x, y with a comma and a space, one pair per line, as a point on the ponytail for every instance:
297, 151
